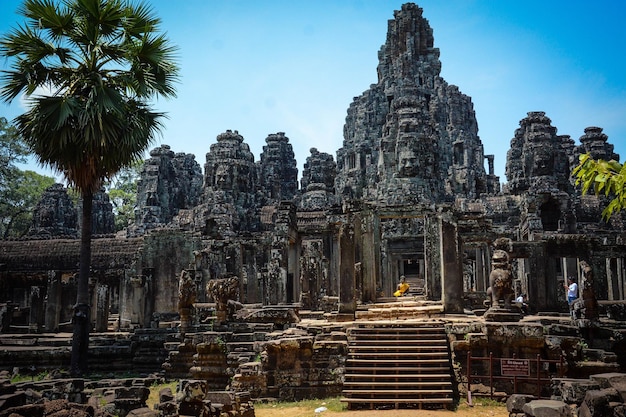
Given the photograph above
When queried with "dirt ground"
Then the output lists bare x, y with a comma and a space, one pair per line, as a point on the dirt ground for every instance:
463, 411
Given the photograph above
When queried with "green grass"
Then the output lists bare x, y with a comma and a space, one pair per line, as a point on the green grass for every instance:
485, 402
23, 378
332, 404
154, 392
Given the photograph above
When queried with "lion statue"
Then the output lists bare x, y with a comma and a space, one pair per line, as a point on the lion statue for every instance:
500, 280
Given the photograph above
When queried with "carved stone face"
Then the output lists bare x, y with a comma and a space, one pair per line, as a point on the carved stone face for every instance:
223, 178
407, 163
543, 163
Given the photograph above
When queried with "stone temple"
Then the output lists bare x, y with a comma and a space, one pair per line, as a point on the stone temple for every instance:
410, 193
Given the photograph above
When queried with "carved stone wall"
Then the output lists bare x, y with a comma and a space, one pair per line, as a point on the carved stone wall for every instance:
55, 214
411, 156
596, 143
230, 198
168, 183
538, 159
278, 172
318, 182
399, 134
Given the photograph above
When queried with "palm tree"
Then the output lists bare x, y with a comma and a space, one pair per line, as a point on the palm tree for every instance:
99, 63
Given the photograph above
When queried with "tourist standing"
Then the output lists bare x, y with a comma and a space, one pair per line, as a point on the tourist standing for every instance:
572, 290
572, 293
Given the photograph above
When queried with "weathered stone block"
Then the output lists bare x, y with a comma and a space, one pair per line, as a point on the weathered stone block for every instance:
14, 399
573, 391
515, 403
612, 380
597, 403
547, 408
143, 412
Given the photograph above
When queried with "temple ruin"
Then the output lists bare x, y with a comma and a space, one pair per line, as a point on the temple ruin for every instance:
410, 193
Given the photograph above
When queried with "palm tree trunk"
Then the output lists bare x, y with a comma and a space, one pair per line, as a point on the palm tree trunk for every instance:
82, 322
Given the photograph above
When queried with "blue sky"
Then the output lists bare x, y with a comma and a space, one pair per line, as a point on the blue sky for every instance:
294, 66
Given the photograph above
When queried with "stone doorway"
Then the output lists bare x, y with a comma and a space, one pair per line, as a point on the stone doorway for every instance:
414, 270
405, 257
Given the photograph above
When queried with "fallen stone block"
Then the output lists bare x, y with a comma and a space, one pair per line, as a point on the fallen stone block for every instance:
547, 408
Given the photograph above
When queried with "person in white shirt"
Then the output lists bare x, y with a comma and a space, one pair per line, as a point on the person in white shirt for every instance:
572, 290
572, 293
521, 299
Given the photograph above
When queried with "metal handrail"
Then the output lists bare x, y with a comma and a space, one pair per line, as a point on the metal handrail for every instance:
538, 361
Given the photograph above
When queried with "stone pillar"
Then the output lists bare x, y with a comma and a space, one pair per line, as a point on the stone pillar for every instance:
482, 268
451, 268
132, 300
617, 273
186, 321
570, 268
619, 276
371, 257
347, 302
293, 269
36, 317
209, 362
536, 264
432, 255
282, 255
53, 301
68, 300
93, 304
598, 262
611, 279
5, 317
102, 298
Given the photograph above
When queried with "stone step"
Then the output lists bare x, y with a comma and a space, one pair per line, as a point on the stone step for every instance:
241, 346
397, 384
401, 364
242, 337
395, 329
374, 362
312, 315
398, 376
400, 333
444, 400
390, 372
396, 393
399, 345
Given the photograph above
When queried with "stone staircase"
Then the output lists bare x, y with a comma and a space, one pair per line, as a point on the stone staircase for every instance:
399, 364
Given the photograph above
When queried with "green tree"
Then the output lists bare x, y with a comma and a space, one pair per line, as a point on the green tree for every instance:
19, 201
99, 62
122, 191
13, 151
603, 177
19, 190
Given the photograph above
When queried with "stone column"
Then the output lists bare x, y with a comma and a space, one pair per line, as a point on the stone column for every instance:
68, 300
615, 277
53, 301
132, 303
293, 269
102, 297
36, 317
432, 256
570, 268
347, 303
536, 269
371, 258
451, 268
485, 256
